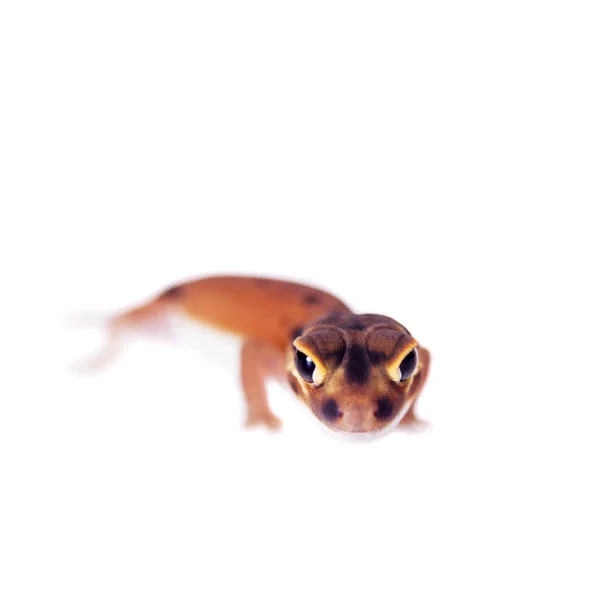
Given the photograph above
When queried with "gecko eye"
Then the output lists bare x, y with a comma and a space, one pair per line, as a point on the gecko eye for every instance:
408, 365
305, 366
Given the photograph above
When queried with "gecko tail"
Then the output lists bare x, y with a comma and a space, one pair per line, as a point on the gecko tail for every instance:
148, 319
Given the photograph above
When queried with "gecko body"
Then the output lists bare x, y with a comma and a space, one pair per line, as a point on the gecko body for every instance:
359, 374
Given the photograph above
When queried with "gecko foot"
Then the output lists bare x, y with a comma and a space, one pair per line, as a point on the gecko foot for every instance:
268, 419
413, 425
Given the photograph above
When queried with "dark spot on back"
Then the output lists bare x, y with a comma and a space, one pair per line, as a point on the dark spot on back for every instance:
331, 411
294, 384
332, 318
385, 409
173, 292
311, 299
357, 365
261, 282
344, 320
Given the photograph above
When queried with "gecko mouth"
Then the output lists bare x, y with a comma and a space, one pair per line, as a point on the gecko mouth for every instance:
360, 436
342, 425
359, 425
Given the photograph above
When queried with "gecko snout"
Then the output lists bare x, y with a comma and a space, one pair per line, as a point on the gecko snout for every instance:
357, 417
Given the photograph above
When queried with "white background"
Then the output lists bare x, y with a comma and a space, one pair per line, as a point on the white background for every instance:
434, 161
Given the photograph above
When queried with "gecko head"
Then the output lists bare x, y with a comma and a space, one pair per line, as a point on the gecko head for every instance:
354, 372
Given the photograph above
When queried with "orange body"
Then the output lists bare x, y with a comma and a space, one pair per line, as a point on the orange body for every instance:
359, 374
255, 308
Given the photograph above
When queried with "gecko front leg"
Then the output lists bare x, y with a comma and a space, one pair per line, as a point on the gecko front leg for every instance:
260, 361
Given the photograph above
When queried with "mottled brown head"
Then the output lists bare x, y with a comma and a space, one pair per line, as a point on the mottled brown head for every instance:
354, 371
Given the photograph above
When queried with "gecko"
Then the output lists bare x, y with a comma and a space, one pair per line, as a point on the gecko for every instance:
359, 374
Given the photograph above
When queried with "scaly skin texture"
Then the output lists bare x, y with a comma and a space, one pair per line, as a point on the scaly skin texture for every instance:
366, 370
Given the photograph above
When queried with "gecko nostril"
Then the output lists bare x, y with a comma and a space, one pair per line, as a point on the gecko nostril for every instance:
331, 411
385, 408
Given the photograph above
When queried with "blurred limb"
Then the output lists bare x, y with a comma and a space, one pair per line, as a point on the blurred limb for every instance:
151, 318
104, 357
260, 361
